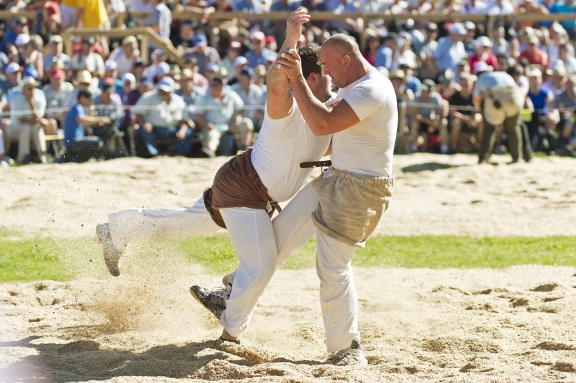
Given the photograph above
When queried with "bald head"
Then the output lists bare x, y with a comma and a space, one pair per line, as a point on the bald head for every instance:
343, 44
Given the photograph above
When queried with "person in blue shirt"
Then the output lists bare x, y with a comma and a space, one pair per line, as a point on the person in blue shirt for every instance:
80, 148
566, 6
385, 54
20, 26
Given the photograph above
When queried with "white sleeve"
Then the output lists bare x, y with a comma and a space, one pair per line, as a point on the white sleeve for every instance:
277, 126
365, 99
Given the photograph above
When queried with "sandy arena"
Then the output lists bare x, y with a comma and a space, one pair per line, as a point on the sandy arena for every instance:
418, 325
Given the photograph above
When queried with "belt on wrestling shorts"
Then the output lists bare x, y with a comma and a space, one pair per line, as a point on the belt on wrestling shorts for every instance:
315, 164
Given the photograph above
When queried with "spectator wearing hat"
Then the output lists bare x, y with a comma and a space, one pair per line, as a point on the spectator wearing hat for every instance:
568, 60
386, 52
203, 54
20, 26
558, 36
221, 113
128, 85
556, 79
83, 82
468, 40
259, 54
212, 70
161, 115
56, 92
566, 6
27, 122
239, 64
13, 77
483, 52
87, 59
501, 100
130, 124
189, 93
252, 96
463, 123
260, 73
198, 80
450, 50
125, 55
56, 57
427, 117
232, 53
533, 54
157, 57
80, 148
26, 52
111, 72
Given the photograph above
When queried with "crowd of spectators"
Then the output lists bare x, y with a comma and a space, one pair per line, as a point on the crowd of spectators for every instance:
106, 100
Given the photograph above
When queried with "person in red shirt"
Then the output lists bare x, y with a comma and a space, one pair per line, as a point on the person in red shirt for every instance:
483, 52
533, 54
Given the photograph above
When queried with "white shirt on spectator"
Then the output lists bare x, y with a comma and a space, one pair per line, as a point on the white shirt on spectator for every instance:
367, 147
251, 98
158, 112
93, 62
55, 99
19, 107
124, 63
494, 9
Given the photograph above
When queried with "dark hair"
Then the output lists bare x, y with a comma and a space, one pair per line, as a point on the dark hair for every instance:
310, 56
84, 93
516, 70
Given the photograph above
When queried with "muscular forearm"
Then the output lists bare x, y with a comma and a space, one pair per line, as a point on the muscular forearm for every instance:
315, 113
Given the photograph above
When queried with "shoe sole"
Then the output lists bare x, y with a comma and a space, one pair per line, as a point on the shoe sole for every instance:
192, 291
111, 265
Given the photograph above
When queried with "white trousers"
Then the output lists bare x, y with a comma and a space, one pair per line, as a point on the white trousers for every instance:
25, 134
337, 292
262, 247
144, 224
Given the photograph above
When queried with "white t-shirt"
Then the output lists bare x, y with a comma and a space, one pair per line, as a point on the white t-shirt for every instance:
280, 148
367, 147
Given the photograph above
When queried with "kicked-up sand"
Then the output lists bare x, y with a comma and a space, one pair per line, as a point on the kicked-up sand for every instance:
418, 325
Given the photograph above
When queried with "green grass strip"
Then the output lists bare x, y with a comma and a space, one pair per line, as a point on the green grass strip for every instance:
28, 259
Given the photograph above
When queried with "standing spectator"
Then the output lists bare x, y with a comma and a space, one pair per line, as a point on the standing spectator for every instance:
56, 57
27, 120
184, 40
533, 54
463, 122
220, 115
159, 20
20, 27
251, 94
80, 148
427, 117
259, 54
125, 55
91, 14
87, 59
502, 100
161, 116
386, 52
483, 52
450, 50
56, 92
203, 54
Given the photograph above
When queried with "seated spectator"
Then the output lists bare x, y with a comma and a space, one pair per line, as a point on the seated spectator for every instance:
139, 70
20, 26
56, 92
464, 123
130, 123
202, 53
232, 53
159, 20
499, 7
27, 53
450, 50
111, 72
404, 97
427, 69
533, 54
128, 85
239, 64
161, 116
386, 52
260, 73
372, 45
87, 59
13, 77
80, 148
566, 6
500, 45
56, 57
412, 82
470, 43
125, 55
189, 93
483, 52
556, 79
558, 36
568, 60
83, 82
108, 104
27, 121
427, 118
252, 96
545, 115
566, 102
405, 54
211, 71
259, 54
220, 116
198, 80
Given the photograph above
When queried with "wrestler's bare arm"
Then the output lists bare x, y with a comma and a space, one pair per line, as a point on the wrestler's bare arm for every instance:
278, 97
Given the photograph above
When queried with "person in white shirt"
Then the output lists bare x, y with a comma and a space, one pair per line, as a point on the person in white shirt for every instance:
356, 190
126, 55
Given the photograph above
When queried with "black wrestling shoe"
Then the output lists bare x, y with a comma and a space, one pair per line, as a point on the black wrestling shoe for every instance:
213, 300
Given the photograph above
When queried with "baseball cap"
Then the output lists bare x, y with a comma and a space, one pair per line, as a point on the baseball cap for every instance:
559, 71
129, 77
162, 69
11, 68
535, 73
270, 39
468, 25
58, 73
234, 45
84, 77
166, 84
200, 40
89, 40
55, 39
31, 72
146, 81
22, 39
107, 84
260, 70
213, 67
558, 29
21, 21
187, 74
481, 66
258, 36
110, 65
483, 41
158, 52
240, 60
128, 40
247, 72
457, 29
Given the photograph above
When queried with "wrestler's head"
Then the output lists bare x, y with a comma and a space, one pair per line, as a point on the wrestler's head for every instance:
338, 54
320, 84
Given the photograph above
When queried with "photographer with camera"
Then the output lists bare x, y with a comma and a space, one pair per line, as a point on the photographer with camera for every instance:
502, 101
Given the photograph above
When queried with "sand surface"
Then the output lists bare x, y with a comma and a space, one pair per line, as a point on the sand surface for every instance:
418, 325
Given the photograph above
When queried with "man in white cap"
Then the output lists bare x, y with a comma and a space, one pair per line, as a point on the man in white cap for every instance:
239, 63
161, 116
27, 120
450, 50
13, 77
259, 54
56, 57
501, 100
468, 40
125, 55
483, 52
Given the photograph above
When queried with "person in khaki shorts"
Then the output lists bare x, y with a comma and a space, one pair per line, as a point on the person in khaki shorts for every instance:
502, 100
